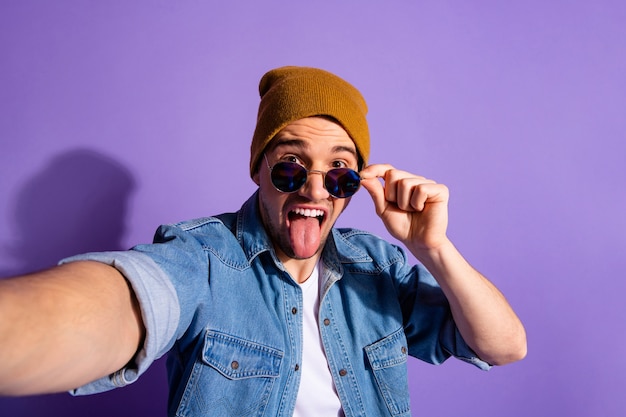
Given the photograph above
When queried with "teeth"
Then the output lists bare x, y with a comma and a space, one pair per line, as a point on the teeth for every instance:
309, 212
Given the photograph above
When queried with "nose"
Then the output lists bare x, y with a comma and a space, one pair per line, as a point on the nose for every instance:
314, 188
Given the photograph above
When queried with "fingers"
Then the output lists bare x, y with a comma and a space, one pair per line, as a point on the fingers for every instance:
410, 193
407, 191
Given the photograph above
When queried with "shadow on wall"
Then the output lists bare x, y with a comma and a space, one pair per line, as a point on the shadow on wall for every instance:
78, 204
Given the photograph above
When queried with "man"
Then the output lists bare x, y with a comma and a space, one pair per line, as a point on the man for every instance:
270, 310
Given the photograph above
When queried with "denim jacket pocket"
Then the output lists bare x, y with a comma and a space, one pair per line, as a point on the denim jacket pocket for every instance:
388, 358
234, 378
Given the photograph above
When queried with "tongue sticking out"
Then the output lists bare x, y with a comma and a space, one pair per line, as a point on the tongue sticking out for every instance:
305, 235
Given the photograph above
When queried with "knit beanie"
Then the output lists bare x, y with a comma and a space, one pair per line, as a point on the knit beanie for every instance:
292, 93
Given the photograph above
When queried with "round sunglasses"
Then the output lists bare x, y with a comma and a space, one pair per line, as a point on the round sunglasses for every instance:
289, 177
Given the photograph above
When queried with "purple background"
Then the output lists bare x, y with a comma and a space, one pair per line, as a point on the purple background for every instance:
118, 116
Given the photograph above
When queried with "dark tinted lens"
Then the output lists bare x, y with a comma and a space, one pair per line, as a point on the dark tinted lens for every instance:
342, 182
288, 176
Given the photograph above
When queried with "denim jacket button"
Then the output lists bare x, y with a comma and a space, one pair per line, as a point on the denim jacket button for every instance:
297, 367
234, 365
294, 310
326, 322
343, 372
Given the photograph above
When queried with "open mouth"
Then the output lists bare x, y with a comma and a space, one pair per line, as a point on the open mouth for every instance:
311, 213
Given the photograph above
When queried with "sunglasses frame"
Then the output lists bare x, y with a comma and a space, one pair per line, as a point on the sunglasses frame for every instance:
314, 171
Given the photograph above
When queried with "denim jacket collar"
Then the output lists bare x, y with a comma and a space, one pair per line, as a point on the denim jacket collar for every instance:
250, 231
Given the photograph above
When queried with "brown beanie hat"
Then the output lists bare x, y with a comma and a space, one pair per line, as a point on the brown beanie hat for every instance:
292, 93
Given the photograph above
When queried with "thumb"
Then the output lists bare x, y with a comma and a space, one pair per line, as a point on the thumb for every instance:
371, 181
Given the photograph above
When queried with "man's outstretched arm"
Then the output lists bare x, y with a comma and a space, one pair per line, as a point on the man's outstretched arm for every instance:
64, 327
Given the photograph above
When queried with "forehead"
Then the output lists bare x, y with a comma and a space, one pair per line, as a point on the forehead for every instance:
314, 133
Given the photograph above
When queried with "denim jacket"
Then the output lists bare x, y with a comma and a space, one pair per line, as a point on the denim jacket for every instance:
215, 297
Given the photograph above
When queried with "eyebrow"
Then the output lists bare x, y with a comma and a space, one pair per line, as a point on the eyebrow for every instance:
300, 144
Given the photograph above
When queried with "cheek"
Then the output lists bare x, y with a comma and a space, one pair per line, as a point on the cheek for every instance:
272, 202
263, 180
339, 206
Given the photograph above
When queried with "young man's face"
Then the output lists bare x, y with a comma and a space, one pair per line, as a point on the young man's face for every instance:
299, 223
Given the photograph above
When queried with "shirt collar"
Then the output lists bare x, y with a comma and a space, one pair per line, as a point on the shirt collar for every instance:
250, 231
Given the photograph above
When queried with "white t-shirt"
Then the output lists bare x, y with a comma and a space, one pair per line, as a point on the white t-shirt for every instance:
317, 395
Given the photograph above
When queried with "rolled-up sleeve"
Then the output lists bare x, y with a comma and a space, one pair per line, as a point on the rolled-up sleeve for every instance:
160, 311
430, 328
